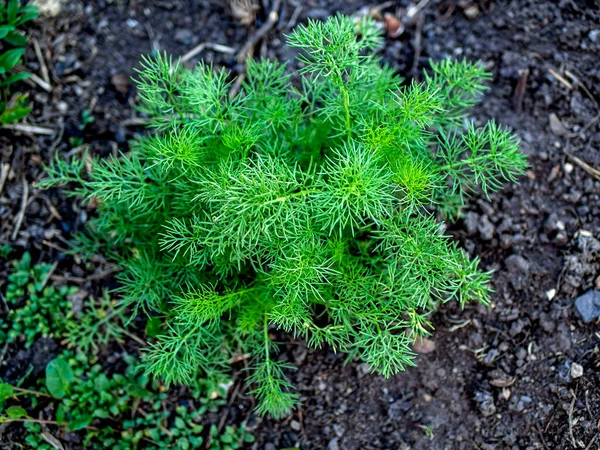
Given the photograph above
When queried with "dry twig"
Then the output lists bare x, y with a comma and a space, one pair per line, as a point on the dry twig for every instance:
585, 166
418, 44
292, 22
560, 78
48, 275
30, 129
260, 33
43, 67
198, 48
41, 83
578, 83
571, 422
4, 169
21, 214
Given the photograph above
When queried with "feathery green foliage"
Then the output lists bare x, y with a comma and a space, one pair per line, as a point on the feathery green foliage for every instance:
302, 207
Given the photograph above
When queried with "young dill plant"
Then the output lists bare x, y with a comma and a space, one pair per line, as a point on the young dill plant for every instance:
304, 207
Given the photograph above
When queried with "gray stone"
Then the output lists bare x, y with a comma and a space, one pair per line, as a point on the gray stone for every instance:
333, 445
576, 370
485, 401
588, 305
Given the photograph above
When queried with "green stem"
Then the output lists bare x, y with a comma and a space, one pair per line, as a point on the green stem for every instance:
41, 421
266, 336
285, 198
346, 99
27, 391
339, 81
175, 106
464, 162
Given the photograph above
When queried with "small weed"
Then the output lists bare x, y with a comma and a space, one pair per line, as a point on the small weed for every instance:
36, 309
117, 412
86, 119
13, 106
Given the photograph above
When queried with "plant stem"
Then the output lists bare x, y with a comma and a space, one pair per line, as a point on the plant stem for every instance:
285, 198
266, 336
27, 391
346, 98
42, 421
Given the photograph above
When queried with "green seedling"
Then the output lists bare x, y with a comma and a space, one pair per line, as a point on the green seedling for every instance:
305, 206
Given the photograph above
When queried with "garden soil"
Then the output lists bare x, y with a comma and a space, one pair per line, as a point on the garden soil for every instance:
522, 373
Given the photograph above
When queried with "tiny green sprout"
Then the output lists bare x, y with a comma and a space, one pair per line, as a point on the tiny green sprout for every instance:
35, 308
309, 205
428, 430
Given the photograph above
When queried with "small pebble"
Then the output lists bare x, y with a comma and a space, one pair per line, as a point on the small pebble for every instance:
62, 107
568, 168
551, 294
576, 370
588, 305
333, 445
471, 12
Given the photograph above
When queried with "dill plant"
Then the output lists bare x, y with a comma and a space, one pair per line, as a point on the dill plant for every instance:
305, 207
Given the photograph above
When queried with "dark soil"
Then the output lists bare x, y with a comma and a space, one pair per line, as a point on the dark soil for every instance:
498, 377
